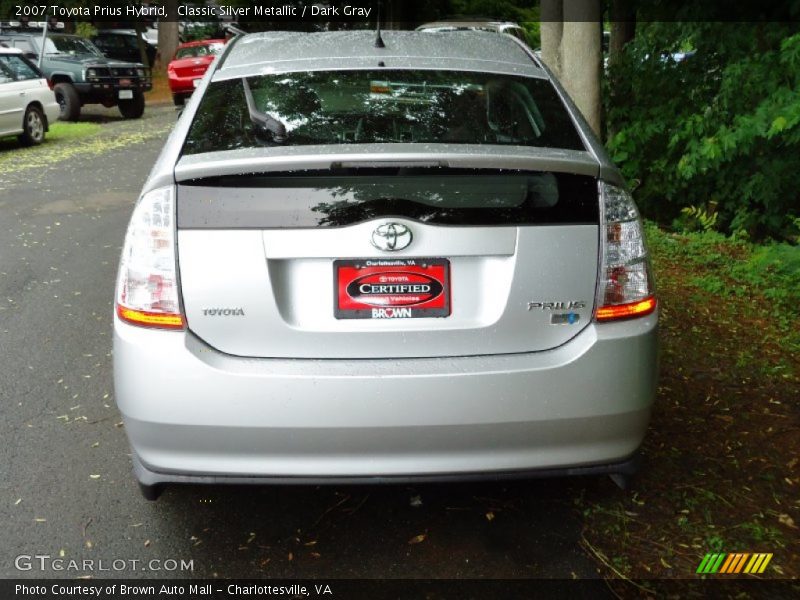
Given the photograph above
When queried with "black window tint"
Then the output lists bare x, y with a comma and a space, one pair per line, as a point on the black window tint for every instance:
436, 196
360, 107
223, 122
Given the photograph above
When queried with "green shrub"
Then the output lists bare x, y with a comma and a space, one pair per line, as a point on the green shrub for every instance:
722, 126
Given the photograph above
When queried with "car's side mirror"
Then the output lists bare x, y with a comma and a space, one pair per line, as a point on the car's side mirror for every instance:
32, 55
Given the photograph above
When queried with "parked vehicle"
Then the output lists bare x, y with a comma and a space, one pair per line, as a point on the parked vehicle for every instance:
382, 262
82, 75
27, 103
508, 27
188, 66
121, 44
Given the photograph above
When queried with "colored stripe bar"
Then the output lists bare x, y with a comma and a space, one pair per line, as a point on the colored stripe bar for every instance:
740, 563
703, 563
752, 566
728, 562
764, 564
714, 567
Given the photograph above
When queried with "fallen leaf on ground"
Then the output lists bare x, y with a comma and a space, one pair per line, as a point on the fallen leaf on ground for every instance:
787, 520
418, 538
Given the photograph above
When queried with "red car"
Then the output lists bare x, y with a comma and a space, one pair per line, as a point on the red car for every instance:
189, 65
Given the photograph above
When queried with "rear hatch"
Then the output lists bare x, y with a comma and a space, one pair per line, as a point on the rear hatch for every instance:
388, 261
192, 67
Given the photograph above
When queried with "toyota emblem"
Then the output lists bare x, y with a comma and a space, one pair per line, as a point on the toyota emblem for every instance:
391, 236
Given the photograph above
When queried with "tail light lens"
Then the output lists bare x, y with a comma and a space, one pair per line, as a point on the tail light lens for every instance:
626, 286
147, 288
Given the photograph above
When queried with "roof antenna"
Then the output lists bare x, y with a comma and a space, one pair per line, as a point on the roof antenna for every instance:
378, 39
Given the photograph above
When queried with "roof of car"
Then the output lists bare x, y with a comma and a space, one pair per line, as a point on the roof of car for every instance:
34, 34
283, 51
200, 43
116, 31
467, 24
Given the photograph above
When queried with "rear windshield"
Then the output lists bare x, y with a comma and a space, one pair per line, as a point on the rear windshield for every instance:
441, 197
382, 106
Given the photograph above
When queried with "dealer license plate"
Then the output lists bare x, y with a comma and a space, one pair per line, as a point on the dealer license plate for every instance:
405, 288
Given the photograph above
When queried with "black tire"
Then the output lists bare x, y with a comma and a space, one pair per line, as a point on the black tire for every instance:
69, 101
134, 108
151, 492
178, 99
33, 127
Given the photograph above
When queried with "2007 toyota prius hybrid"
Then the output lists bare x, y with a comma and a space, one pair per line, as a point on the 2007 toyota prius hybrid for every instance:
355, 263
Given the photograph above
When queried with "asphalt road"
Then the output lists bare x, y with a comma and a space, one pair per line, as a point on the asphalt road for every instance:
65, 484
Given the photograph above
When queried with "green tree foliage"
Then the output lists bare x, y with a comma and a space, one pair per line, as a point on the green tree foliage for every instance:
718, 128
524, 12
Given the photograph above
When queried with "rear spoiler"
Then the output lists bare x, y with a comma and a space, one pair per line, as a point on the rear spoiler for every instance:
322, 158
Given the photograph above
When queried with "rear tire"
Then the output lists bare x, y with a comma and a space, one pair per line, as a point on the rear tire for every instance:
134, 108
33, 127
68, 100
151, 493
178, 99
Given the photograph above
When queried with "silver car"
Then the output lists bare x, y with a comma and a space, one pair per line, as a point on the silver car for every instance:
358, 261
27, 103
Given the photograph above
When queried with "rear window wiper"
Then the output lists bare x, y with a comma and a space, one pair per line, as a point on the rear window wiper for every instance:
262, 119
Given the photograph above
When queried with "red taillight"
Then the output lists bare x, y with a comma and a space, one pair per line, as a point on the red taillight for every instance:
625, 311
625, 288
147, 289
49, 83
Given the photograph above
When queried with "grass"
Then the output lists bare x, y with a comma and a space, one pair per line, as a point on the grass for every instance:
160, 94
65, 132
68, 140
721, 467
60, 134
761, 279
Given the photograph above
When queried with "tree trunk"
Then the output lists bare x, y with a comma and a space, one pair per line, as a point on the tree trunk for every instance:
168, 35
581, 58
623, 27
622, 14
141, 43
551, 31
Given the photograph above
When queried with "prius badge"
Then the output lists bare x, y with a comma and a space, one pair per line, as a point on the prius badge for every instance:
391, 237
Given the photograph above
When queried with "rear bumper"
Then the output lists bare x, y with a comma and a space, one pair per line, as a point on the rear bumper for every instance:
144, 475
51, 113
193, 414
182, 85
95, 92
